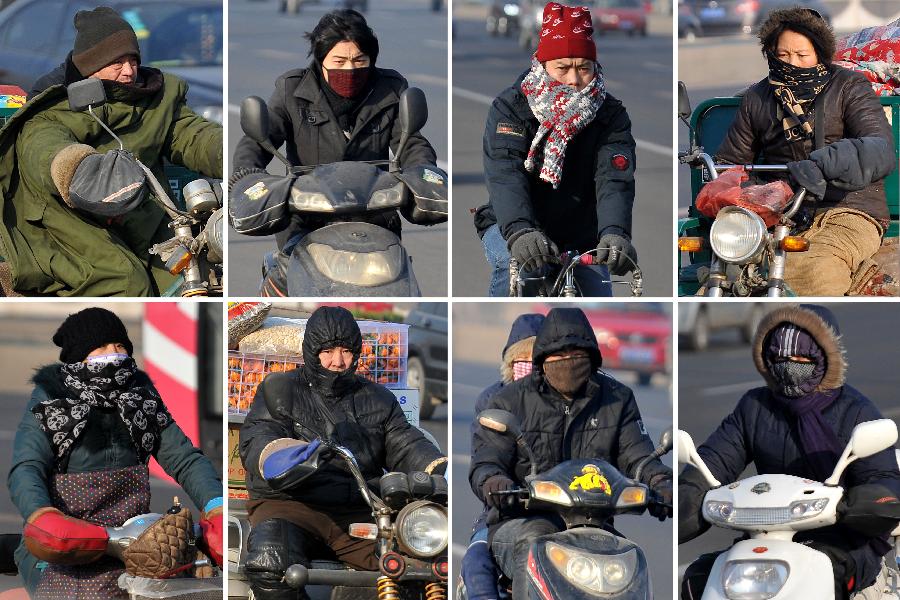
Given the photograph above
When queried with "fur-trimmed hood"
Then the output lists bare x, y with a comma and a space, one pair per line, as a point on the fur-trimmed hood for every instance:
821, 324
49, 379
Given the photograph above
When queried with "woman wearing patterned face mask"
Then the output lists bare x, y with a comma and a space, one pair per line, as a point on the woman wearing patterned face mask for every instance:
827, 125
80, 461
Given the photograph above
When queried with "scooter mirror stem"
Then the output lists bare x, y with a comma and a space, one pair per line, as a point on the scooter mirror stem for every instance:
867, 439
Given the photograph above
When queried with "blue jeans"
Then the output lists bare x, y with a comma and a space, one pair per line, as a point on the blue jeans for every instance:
479, 573
591, 280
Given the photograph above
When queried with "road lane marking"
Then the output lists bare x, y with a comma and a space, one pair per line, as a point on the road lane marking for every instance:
425, 78
276, 54
722, 390
435, 43
487, 101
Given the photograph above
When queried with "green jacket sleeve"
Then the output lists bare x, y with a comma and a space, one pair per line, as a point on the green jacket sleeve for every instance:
178, 457
193, 141
32, 463
41, 139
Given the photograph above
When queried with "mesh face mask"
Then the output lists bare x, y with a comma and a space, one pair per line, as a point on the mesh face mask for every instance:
521, 368
794, 378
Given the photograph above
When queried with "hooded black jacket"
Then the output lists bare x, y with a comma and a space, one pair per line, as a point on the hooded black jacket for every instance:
603, 423
367, 420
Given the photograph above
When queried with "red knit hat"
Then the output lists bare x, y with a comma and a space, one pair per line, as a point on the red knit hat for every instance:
567, 32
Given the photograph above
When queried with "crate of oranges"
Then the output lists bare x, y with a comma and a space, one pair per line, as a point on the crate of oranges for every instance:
382, 360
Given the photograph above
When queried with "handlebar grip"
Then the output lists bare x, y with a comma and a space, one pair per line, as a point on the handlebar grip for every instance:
588, 260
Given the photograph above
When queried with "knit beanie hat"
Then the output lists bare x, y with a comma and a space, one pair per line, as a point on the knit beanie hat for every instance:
85, 331
567, 32
102, 36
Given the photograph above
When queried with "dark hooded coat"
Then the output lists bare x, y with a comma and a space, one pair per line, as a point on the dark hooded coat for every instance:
759, 431
604, 422
300, 404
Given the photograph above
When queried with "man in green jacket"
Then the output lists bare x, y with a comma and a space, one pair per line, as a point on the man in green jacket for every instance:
51, 246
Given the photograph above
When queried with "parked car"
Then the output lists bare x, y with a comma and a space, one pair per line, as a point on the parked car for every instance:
745, 16
427, 362
183, 37
629, 16
697, 320
689, 27
502, 18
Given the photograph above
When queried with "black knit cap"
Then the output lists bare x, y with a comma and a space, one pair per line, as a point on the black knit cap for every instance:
85, 331
102, 36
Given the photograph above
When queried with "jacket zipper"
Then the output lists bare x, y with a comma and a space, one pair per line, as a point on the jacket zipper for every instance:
565, 451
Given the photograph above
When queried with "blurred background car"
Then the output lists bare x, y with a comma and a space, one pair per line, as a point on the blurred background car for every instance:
629, 16
698, 320
426, 367
182, 37
502, 18
689, 27
744, 16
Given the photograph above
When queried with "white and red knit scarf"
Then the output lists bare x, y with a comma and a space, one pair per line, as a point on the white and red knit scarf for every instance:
562, 112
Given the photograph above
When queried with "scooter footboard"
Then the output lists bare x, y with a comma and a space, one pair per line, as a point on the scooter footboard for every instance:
808, 570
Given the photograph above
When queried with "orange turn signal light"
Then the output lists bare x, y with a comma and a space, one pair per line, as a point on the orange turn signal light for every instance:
363, 531
179, 260
795, 243
690, 244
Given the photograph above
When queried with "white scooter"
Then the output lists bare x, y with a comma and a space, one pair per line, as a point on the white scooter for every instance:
772, 509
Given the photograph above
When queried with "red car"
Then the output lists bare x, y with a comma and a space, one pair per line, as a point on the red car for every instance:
621, 15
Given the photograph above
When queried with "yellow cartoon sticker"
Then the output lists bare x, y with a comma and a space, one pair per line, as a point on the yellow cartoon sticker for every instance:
591, 479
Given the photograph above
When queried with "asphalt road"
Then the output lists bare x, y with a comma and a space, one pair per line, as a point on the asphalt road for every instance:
476, 348
263, 44
638, 71
712, 382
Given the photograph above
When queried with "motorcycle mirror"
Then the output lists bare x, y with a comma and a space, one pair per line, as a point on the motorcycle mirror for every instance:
413, 116
688, 455
684, 103
867, 439
255, 119
501, 421
665, 442
85, 93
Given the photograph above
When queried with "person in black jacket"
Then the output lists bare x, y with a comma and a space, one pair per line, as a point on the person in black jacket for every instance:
798, 424
290, 415
568, 409
339, 108
559, 173
827, 125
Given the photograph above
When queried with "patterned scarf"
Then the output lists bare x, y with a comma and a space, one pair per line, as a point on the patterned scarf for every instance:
103, 386
795, 89
562, 112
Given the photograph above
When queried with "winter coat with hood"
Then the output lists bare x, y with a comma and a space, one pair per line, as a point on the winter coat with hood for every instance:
594, 196
367, 419
760, 431
154, 123
603, 422
301, 118
104, 444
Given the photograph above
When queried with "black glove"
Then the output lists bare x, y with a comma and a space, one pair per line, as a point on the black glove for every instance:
663, 490
532, 249
496, 483
807, 173
615, 250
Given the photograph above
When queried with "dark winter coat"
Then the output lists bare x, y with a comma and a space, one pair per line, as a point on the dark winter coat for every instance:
301, 118
759, 431
593, 195
861, 152
603, 423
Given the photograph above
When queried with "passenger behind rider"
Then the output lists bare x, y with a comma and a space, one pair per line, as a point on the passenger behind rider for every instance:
827, 125
568, 409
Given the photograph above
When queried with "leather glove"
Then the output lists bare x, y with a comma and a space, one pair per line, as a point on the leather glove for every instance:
211, 525
663, 490
615, 250
493, 484
532, 249
807, 173
53, 536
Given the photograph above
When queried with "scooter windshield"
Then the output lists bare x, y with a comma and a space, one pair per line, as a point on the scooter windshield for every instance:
346, 188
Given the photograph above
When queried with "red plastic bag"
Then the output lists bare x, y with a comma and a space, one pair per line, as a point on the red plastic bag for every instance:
765, 200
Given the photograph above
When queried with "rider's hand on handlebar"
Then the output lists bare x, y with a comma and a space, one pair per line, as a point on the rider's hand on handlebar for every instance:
211, 526
617, 251
662, 507
494, 484
807, 174
531, 248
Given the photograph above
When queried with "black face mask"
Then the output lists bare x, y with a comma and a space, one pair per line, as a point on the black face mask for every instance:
333, 384
793, 378
568, 376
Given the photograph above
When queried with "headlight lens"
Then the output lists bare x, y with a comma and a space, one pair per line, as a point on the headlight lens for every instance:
632, 496
805, 509
754, 580
604, 574
719, 512
550, 492
724, 512
310, 201
423, 529
358, 268
737, 235
391, 197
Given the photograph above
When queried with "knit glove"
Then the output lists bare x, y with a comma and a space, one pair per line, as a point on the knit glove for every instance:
615, 250
494, 484
532, 249
806, 173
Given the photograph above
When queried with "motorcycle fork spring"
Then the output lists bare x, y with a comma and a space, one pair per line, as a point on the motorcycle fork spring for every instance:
387, 589
435, 591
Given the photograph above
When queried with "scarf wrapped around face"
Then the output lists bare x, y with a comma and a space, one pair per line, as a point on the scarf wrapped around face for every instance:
795, 89
562, 112
103, 386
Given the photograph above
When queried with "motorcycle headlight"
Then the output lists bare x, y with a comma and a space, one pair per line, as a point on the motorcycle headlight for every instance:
214, 247
511, 9
718, 512
804, 509
754, 579
210, 112
593, 573
737, 235
391, 197
550, 492
310, 201
358, 268
422, 529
